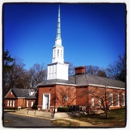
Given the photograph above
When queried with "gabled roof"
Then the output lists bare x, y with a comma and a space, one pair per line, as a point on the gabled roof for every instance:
24, 93
85, 79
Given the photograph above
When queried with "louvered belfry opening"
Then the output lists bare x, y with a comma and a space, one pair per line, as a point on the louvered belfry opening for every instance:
80, 70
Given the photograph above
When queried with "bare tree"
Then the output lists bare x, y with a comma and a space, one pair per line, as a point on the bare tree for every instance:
105, 98
18, 75
101, 73
92, 69
36, 74
95, 70
117, 70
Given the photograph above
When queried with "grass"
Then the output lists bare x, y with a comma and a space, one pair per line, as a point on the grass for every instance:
64, 123
116, 119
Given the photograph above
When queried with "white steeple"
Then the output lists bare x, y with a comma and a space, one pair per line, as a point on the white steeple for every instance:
58, 69
58, 49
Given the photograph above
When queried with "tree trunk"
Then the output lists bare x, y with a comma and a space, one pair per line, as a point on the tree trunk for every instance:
106, 112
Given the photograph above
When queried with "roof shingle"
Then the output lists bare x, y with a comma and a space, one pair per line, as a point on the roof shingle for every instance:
85, 79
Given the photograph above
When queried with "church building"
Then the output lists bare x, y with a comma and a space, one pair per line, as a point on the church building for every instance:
62, 90
81, 89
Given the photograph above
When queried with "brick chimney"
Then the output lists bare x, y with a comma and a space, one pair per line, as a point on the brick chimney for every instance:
80, 70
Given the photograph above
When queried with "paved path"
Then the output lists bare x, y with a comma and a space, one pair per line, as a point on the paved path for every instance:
15, 120
47, 115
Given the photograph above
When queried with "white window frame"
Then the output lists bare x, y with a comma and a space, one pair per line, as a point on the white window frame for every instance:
117, 99
32, 103
99, 102
7, 103
13, 103
111, 99
123, 99
27, 103
92, 102
10, 103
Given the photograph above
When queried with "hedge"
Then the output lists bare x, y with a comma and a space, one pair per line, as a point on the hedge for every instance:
62, 109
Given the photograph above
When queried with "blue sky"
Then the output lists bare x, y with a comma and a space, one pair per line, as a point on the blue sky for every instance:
92, 34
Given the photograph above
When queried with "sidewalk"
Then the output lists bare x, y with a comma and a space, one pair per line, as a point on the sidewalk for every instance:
47, 115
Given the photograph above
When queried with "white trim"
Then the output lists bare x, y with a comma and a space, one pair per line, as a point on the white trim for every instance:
27, 103
106, 86
13, 103
123, 99
7, 93
111, 99
117, 99
7, 103
57, 83
32, 103
80, 85
43, 100
99, 102
65, 84
92, 102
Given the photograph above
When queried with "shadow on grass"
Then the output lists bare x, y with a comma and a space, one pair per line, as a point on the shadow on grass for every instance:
106, 118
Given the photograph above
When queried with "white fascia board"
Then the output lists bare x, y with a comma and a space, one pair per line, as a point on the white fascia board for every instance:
81, 85
106, 86
56, 84
116, 87
66, 84
20, 97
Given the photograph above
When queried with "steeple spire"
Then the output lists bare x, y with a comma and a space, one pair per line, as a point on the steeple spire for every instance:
58, 69
58, 25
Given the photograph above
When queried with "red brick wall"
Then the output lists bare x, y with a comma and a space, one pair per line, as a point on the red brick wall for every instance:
21, 102
56, 93
8, 103
18, 102
85, 95
80, 70
45, 89
99, 92
10, 95
82, 96
65, 90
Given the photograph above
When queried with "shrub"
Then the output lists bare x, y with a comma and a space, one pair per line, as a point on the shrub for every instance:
34, 107
62, 109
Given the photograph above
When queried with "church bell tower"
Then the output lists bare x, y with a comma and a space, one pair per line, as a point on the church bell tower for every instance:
58, 69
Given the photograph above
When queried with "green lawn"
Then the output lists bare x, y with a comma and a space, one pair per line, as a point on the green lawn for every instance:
116, 119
